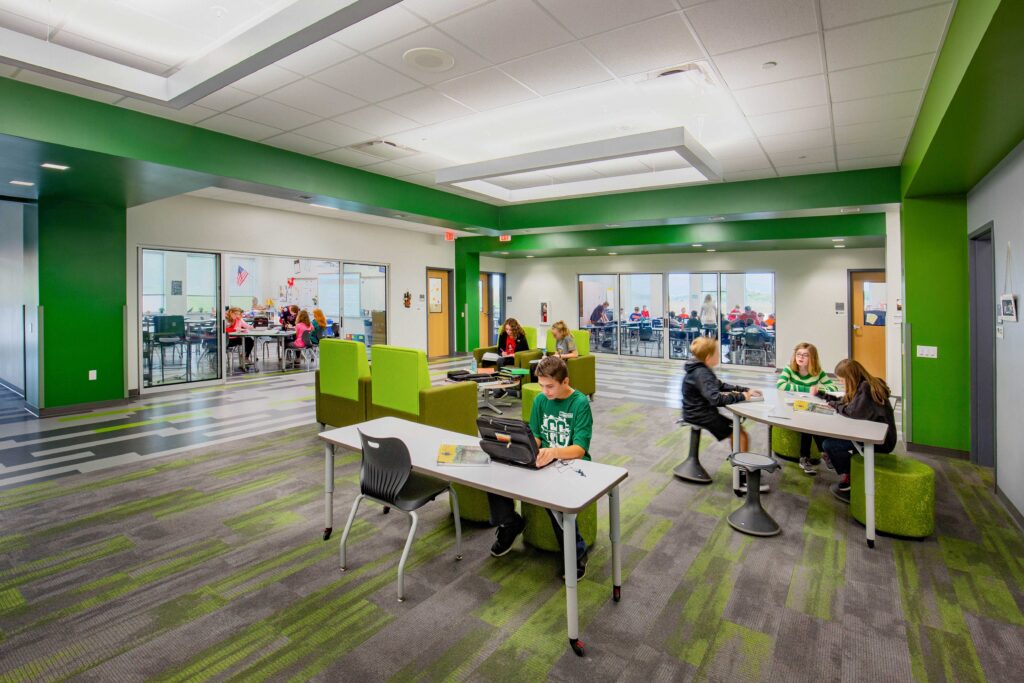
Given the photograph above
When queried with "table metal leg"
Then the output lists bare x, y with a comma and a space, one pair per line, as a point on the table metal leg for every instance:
328, 490
572, 616
735, 449
613, 535
869, 493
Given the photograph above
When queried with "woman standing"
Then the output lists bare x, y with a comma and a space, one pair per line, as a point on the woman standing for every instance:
709, 317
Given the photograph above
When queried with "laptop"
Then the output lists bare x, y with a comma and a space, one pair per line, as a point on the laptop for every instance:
509, 441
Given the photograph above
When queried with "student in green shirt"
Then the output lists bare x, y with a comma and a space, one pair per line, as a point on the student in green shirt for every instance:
804, 374
562, 423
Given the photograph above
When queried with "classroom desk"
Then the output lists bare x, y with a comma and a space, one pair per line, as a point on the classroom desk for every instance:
278, 334
563, 491
863, 433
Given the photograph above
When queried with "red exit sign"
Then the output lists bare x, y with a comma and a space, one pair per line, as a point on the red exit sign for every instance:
505, 238
449, 235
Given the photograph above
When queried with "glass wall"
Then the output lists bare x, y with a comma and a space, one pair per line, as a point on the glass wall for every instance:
364, 303
495, 307
642, 323
598, 308
690, 295
180, 293
748, 331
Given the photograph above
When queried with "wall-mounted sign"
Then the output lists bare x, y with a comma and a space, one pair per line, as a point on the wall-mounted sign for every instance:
175, 287
449, 235
504, 238
840, 308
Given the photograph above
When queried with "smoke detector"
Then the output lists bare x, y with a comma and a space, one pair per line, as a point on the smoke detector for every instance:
429, 59
384, 149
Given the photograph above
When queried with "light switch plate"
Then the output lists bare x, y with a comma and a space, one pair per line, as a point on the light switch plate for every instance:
999, 331
92, 375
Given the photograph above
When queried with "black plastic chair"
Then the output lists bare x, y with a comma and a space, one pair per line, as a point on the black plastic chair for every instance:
754, 342
386, 478
691, 469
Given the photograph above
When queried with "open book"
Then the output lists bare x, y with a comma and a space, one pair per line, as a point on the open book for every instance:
450, 454
490, 357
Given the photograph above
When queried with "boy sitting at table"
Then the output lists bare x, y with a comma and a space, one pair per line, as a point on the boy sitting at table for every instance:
562, 423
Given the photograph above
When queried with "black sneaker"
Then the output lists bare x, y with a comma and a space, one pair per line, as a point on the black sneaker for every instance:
808, 466
505, 536
841, 489
581, 567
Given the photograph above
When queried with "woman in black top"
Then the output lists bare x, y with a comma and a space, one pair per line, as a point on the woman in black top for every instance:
511, 341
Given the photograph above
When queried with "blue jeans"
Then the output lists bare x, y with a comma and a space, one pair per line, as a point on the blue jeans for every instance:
503, 512
839, 452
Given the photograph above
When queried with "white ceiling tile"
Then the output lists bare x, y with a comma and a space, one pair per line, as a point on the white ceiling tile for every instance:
266, 79
900, 75
317, 56
895, 106
436, 10
735, 147
506, 29
386, 25
316, 98
807, 169
225, 99
427, 162
390, 168
870, 149
191, 114
871, 162
298, 143
426, 179
426, 106
376, 120
365, 78
795, 57
466, 61
595, 16
485, 90
653, 44
881, 40
333, 133
739, 176
735, 24
803, 157
810, 118
755, 163
241, 128
796, 94
271, 113
559, 69
787, 142
61, 85
875, 130
349, 157
839, 12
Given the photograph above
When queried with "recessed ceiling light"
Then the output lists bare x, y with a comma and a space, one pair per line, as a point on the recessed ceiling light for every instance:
710, 250
718, 218
324, 206
529, 256
504, 253
22, 183
852, 209
838, 239
54, 167
697, 245
398, 215
613, 253
591, 249
769, 65
839, 246
429, 59
613, 225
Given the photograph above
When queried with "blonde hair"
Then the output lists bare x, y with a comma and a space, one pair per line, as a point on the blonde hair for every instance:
233, 309
813, 364
703, 348
560, 327
318, 316
853, 373
302, 317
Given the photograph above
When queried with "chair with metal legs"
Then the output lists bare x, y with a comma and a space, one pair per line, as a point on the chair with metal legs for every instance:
387, 478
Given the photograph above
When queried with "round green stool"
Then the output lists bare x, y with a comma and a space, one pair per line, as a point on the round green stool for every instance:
473, 505
540, 535
530, 392
904, 495
786, 444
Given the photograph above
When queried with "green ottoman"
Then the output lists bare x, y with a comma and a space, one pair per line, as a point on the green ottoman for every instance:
786, 444
473, 505
530, 392
904, 495
541, 536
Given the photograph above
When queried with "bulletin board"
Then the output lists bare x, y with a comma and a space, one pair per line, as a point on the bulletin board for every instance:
304, 293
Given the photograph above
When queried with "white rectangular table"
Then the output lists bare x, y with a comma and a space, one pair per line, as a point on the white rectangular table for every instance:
863, 433
565, 492
275, 333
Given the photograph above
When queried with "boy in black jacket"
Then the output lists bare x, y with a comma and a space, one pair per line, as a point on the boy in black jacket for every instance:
704, 393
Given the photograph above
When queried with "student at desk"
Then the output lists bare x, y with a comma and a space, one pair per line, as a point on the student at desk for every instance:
804, 374
287, 316
636, 316
562, 423
565, 345
236, 324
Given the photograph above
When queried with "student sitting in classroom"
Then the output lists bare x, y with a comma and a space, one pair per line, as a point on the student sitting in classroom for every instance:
511, 340
565, 345
562, 423
644, 313
302, 325
804, 374
287, 316
636, 315
233, 317
866, 398
704, 394
320, 329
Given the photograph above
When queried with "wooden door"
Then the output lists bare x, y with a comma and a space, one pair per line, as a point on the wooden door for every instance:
439, 322
868, 320
485, 309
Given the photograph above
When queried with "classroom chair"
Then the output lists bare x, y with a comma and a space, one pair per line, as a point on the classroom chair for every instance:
522, 358
386, 477
904, 495
751, 518
530, 392
343, 385
582, 369
691, 469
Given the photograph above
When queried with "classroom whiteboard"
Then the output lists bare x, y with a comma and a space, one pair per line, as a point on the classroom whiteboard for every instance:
303, 292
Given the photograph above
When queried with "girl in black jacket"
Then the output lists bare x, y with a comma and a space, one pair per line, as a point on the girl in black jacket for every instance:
866, 398
704, 393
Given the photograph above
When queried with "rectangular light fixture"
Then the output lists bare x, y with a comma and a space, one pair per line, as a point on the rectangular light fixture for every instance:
54, 167
699, 166
324, 206
22, 183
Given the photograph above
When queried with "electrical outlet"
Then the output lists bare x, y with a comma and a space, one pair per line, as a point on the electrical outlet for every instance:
927, 351
92, 375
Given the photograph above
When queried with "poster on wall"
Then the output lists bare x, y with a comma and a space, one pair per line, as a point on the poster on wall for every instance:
545, 308
434, 295
1008, 308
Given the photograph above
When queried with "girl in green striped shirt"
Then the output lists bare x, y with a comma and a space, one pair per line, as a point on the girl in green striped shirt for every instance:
804, 374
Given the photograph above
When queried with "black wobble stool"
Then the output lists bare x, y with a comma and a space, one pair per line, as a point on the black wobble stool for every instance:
691, 469
751, 518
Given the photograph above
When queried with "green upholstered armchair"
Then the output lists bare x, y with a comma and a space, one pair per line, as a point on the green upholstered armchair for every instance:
583, 368
522, 358
342, 383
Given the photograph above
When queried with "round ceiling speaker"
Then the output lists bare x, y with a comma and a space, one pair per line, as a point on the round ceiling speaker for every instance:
429, 59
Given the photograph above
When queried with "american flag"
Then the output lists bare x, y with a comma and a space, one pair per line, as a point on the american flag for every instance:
241, 275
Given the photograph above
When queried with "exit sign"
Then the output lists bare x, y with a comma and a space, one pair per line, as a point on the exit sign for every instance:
505, 238
449, 235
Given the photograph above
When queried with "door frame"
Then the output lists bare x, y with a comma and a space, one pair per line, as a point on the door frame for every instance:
451, 308
987, 230
849, 303
501, 301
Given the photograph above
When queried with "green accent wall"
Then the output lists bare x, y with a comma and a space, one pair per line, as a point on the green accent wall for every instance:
937, 301
82, 274
467, 297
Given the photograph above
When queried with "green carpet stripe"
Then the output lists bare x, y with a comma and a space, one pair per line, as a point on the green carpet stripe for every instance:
155, 420
524, 580
105, 413
274, 514
986, 596
264, 462
48, 566
735, 643
453, 664
817, 580
208, 498
12, 543
38, 670
11, 599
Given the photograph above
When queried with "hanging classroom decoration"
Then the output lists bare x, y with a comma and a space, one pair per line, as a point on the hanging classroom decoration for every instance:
1008, 300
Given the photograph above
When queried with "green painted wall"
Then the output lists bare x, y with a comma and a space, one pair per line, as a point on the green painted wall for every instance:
936, 290
82, 291
467, 298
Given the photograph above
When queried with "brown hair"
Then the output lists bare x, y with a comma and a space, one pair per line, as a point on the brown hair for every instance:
517, 329
853, 373
813, 364
302, 317
562, 328
553, 367
293, 308
703, 347
318, 316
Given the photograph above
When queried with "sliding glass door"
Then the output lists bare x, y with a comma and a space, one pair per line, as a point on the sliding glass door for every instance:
642, 329
599, 312
364, 303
